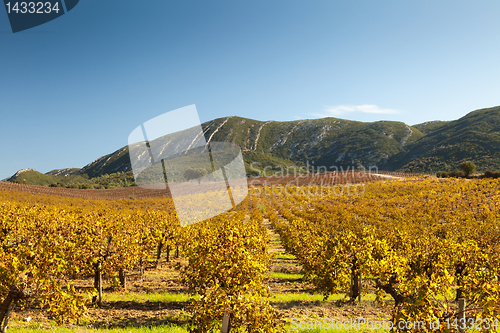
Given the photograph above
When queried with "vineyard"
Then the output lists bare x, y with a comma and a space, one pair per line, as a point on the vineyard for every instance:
401, 250
135, 192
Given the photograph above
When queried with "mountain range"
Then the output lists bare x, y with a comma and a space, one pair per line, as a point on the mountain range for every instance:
330, 142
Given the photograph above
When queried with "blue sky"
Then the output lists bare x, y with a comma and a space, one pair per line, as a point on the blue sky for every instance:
73, 89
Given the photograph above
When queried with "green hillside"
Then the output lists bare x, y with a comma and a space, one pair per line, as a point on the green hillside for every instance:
32, 177
474, 137
430, 126
57, 178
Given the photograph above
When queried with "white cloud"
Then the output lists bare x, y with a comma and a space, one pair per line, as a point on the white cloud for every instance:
335, 111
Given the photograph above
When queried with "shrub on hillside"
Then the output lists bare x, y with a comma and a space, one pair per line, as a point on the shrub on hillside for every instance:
468, 168
461, 174
57, 185
454, 173
491, 174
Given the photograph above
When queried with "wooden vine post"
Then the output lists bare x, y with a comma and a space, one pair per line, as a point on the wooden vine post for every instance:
360, 284
461, 315
226, 323
123, 278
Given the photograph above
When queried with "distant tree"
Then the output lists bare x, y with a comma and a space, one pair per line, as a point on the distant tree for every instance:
488, 174
468, 168
456, 174
491, 174
196, 173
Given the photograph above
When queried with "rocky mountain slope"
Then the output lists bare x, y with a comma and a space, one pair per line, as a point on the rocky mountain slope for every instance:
333, 143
